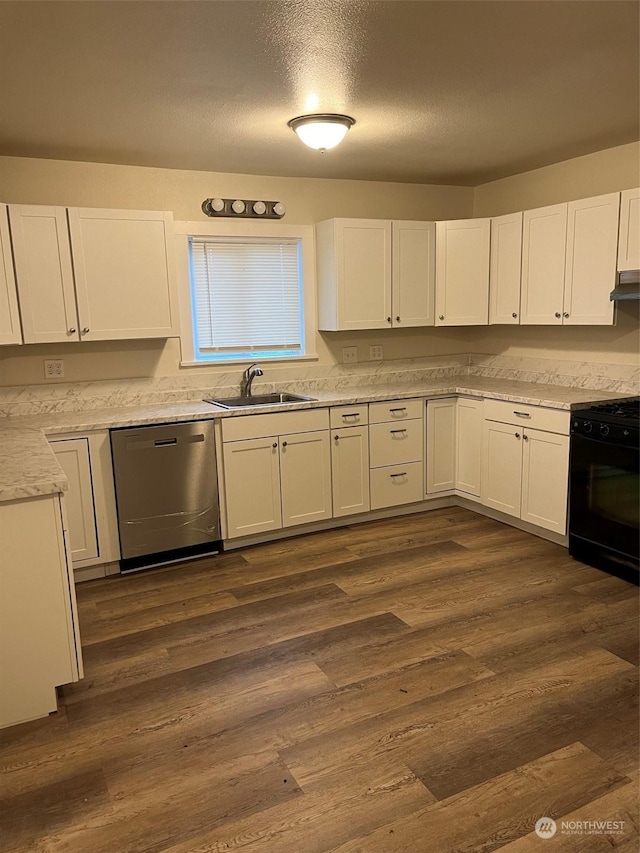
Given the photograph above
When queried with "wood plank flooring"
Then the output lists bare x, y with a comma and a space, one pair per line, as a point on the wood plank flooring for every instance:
433, 683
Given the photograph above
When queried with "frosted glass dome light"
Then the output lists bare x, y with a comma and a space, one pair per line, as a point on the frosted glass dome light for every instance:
321, 131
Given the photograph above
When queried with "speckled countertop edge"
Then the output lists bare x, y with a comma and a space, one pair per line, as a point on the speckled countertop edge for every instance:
29, 468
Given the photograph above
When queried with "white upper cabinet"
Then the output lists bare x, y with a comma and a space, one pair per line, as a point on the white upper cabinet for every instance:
375, 274
629, 243
543, 261
116, 266
42, 256
506, 269
10, 332
462, 272
414, 270
124, 273
354, 274
590, 271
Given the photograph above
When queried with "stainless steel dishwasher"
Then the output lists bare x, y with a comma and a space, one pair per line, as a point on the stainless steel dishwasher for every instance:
166, 493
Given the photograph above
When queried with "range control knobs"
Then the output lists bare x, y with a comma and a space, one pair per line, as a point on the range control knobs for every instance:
605, 429
588, 426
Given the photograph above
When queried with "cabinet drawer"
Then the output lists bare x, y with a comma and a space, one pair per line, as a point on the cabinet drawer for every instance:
395, 485
550, 420
278, 423
396, 410
346, 416
393, 444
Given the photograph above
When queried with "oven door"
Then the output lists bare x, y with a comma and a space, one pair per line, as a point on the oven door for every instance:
604, 495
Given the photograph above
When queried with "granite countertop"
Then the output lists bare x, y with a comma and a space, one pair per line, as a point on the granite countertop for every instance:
28, 466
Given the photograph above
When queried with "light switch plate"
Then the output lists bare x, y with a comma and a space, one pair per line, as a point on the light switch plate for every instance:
349, 355
376, 353
53, 368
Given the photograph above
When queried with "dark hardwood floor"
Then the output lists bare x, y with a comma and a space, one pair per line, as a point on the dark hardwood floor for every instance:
430, 684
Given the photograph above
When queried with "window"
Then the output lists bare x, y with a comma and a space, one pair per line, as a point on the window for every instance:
247, 297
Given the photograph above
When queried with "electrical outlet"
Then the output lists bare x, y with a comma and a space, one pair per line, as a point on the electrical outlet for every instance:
53, 368
375, 353
349, 355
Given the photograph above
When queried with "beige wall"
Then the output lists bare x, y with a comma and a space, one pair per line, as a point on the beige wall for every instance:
308, 200
594, 174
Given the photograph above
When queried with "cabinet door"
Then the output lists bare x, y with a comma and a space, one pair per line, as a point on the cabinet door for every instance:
414, 270
10, 332
506, 269
73, 456
44, 275
590, 270
305, 472
441, 445
252, 486
123, 265
545, 478
468, 445
501, 485
544, 241
350, 470
462, 272
354, 274
629, 242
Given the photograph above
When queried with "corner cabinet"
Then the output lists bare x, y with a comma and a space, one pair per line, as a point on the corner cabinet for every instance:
375, 274
90, 274
462, 272
454, 430
10, 331
277, 471
39, 635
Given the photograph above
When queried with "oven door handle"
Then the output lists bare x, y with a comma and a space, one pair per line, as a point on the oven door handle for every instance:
601, 441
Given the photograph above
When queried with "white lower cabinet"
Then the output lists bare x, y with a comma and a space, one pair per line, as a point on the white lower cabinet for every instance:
396, 485
277, 480
454, 432
396, 455
39, 635
525, 473
350, 470
90, 499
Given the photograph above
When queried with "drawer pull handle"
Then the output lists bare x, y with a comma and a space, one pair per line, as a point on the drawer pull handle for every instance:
351, 415
394, 431
403, 409
401, 474
522, 414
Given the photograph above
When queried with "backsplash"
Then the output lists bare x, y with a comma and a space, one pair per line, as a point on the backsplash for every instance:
305, 379
599, 376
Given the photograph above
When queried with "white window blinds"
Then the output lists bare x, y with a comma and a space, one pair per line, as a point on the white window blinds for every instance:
246, 297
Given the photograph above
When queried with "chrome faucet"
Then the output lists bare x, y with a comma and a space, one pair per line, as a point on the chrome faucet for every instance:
247, 379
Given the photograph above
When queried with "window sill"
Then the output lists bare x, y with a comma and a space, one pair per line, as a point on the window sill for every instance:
274, 362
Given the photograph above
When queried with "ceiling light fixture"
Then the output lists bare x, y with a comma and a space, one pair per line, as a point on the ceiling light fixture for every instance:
322, 130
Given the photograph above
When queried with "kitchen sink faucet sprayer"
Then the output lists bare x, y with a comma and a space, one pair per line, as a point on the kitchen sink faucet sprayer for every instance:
247, 379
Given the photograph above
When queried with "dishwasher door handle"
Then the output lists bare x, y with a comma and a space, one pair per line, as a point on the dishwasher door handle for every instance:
164, 442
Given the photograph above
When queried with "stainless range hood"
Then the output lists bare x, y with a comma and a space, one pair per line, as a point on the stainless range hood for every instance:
627, 288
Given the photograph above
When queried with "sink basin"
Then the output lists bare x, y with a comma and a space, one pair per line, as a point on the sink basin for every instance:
257, 400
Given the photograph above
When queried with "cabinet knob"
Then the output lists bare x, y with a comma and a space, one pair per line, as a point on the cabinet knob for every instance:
517, 435
514, 315
441, 317
566, 314
284, 443
525, 438
275, 444
85, 331
71, 331
398, 320
337, 438
558, 314
388, 319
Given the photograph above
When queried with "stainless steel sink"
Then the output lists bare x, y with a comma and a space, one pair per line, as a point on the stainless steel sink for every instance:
258, 400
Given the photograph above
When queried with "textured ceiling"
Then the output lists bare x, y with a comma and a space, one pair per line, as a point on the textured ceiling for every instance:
442, 92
